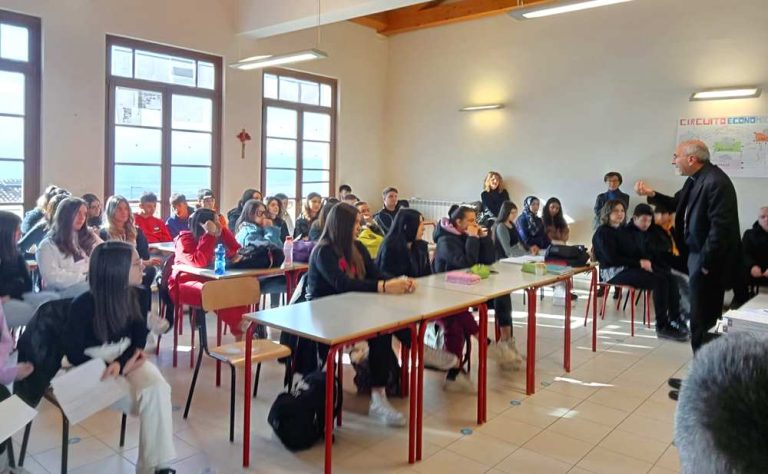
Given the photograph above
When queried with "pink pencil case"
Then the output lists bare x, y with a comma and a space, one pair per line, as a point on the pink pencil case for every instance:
462, 278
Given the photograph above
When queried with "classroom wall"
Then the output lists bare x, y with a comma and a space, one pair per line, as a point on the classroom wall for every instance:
586, 93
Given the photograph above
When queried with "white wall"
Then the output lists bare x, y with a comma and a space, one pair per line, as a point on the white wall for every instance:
586, 93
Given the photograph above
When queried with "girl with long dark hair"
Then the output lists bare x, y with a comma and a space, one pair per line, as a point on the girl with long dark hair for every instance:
316, 229
234, 214
63, 255
30, 240
255, 226
277, 214
309, 213
338, 264
106, 323
506, 238
533, 235
554, 221
94, 210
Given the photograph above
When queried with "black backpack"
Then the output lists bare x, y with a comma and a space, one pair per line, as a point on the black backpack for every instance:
298, 416
261, 255
569, 255
363, 376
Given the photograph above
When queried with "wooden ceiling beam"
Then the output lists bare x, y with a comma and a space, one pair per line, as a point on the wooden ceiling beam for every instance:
414, 17
377, 21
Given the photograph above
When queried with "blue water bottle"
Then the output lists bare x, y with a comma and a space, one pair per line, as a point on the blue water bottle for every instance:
220, 265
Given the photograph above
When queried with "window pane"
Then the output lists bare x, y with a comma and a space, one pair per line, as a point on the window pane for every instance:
14, 42
153, 67
11, 137
132, 181
189, 181
122, 61
192, 113
17, 209
12, 173
281, 181
270, 86
281, 153
309, 93
317, 155
137, 107
205, 75
281, 123
11, 93
320, 188
317, 126
183, 71
289, 89
316, 175
138, 145
190, 148
325, 95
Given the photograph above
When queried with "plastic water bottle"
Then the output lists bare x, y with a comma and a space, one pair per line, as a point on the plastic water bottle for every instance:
288, 251
220, 264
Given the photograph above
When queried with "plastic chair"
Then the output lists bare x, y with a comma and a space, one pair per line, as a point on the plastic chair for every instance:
632, 291
222, 294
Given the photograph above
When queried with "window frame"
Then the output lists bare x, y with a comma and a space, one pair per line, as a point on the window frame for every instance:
167, 90
300, 108
32, 70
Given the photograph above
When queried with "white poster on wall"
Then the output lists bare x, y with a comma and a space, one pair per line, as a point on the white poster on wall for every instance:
738, 145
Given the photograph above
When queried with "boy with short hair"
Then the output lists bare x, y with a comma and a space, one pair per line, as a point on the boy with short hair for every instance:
154, 229
386, 215
179, 221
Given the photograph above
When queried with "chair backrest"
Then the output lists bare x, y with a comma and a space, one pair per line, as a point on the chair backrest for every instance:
165, 272
230, 293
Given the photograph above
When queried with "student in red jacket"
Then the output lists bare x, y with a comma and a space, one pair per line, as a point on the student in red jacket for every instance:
196, 247
154, 229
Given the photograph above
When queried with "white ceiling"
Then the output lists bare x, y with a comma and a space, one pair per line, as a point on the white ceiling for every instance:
263, 18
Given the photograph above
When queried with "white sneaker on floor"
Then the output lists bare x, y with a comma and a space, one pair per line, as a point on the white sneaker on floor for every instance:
439, 359
462, 383
513, 346
508, 358
386, 414
157, 325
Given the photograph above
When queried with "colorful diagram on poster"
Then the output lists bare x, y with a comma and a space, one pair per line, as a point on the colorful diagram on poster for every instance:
738, 145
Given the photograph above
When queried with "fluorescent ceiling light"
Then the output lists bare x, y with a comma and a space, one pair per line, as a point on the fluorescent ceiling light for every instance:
475, 108
728, 93
257, 62
563, 7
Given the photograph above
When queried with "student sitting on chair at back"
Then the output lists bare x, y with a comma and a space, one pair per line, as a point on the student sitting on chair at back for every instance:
494, 193
94, 210
350, 199
206, 200
310, 212
530, 226
285, 215
370, 235
275, 213
29, 242
756, 250
33, 216
554, 222
386, 215
63, 255
344, 190
234, 214
153, 228
317, 227
106, 323
179, 221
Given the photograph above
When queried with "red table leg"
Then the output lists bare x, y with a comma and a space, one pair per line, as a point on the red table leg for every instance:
482, 355
340, 370
218, 343
414, 390
530, 369
247, 395
329, 383
420, 391
404, 355
567, 336
594, 309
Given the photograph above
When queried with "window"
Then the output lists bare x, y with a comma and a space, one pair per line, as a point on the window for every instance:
164, 121
298, 134
19, 111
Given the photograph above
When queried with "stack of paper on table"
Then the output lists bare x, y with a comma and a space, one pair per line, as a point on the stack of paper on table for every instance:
754, 320
81, 392
523, 259
14, 415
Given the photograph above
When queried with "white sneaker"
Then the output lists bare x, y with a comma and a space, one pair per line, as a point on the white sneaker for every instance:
385, 414
507, 358
462, 383
439, 359
157, 325
513, 346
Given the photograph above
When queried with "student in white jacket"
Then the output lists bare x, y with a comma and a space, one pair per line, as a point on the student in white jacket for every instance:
63, 256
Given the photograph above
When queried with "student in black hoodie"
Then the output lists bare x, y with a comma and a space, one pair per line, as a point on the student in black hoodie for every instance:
338, 264
309, 213
756, 249
387, 213
234, 214
623, 262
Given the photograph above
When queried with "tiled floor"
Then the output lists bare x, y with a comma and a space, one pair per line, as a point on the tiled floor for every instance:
610, 414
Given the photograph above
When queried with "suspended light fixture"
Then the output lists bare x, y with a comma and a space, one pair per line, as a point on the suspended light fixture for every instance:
727, 93
561, 7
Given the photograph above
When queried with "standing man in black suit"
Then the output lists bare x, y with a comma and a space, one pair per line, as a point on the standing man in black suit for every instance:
707, 226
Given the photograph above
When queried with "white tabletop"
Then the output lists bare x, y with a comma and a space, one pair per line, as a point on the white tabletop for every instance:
167, 247
237, 272
759, 301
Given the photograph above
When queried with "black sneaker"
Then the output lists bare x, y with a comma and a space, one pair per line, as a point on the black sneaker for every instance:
672, 333
574, 296
616, 293
167, 470
675, 383
600, 292
673, 394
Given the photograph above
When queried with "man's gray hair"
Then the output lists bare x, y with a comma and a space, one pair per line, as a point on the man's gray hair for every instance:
721, 424
698, 149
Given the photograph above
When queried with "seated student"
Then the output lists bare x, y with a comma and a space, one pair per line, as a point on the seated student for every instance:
494, 194
339, 264
106, 323
33, 216
720, 421
179, 221
197, 247
661, 238
344, 190
530, 226
9, 373
309, 214
506, 238
387, 213
613, 179
206, 200
31, 240
16, 291
350, 199
756, 249
316, 230
153, 228
370, 235
458, 247
275, 213
254, 226
63, 256
284, 214
622, 262
94, 211
554, 222
120, 226
234, 214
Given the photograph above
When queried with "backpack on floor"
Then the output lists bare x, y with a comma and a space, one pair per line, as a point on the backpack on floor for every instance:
363, 375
